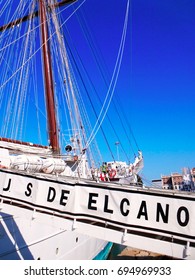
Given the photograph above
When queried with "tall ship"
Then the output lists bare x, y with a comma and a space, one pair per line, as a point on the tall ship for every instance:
43, 178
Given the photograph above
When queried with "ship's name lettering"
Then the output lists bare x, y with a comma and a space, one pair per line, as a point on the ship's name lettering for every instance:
162, 213
51, 194
63, 197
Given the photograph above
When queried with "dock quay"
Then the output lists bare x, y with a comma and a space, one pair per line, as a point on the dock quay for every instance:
120, 252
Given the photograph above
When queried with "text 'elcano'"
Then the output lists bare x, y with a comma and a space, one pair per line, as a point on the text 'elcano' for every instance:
182, 213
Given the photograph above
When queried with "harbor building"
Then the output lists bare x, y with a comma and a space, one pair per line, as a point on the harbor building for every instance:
184, 181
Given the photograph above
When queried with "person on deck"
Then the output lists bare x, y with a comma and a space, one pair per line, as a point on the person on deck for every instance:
104, 170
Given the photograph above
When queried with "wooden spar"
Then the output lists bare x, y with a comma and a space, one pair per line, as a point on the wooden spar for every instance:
18, 21
48, 76
34, 14
62, 3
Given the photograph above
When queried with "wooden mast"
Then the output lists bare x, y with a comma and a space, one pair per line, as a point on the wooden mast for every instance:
48, 75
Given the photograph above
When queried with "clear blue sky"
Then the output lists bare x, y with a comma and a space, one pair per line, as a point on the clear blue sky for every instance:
163, 72
157, 80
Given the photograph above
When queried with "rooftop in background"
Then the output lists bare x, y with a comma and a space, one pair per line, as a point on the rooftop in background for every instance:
177, 181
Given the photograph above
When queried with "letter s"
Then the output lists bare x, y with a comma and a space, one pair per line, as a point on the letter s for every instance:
28, 191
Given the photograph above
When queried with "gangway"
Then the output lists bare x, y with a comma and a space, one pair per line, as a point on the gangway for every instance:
157, 220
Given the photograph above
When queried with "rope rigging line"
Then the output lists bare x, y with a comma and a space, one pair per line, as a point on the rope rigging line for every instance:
89, 97
37, 26
19, 98
112, 83
98, 59
75, 117
39, 48
20, 72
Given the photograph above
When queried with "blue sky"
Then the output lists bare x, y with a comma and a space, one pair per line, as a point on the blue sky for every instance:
157, 79
163, 80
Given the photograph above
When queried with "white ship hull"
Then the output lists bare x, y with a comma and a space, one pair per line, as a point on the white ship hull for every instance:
22, 238
29, 234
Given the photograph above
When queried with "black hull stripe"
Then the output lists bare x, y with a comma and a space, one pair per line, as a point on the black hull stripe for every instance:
69, 215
